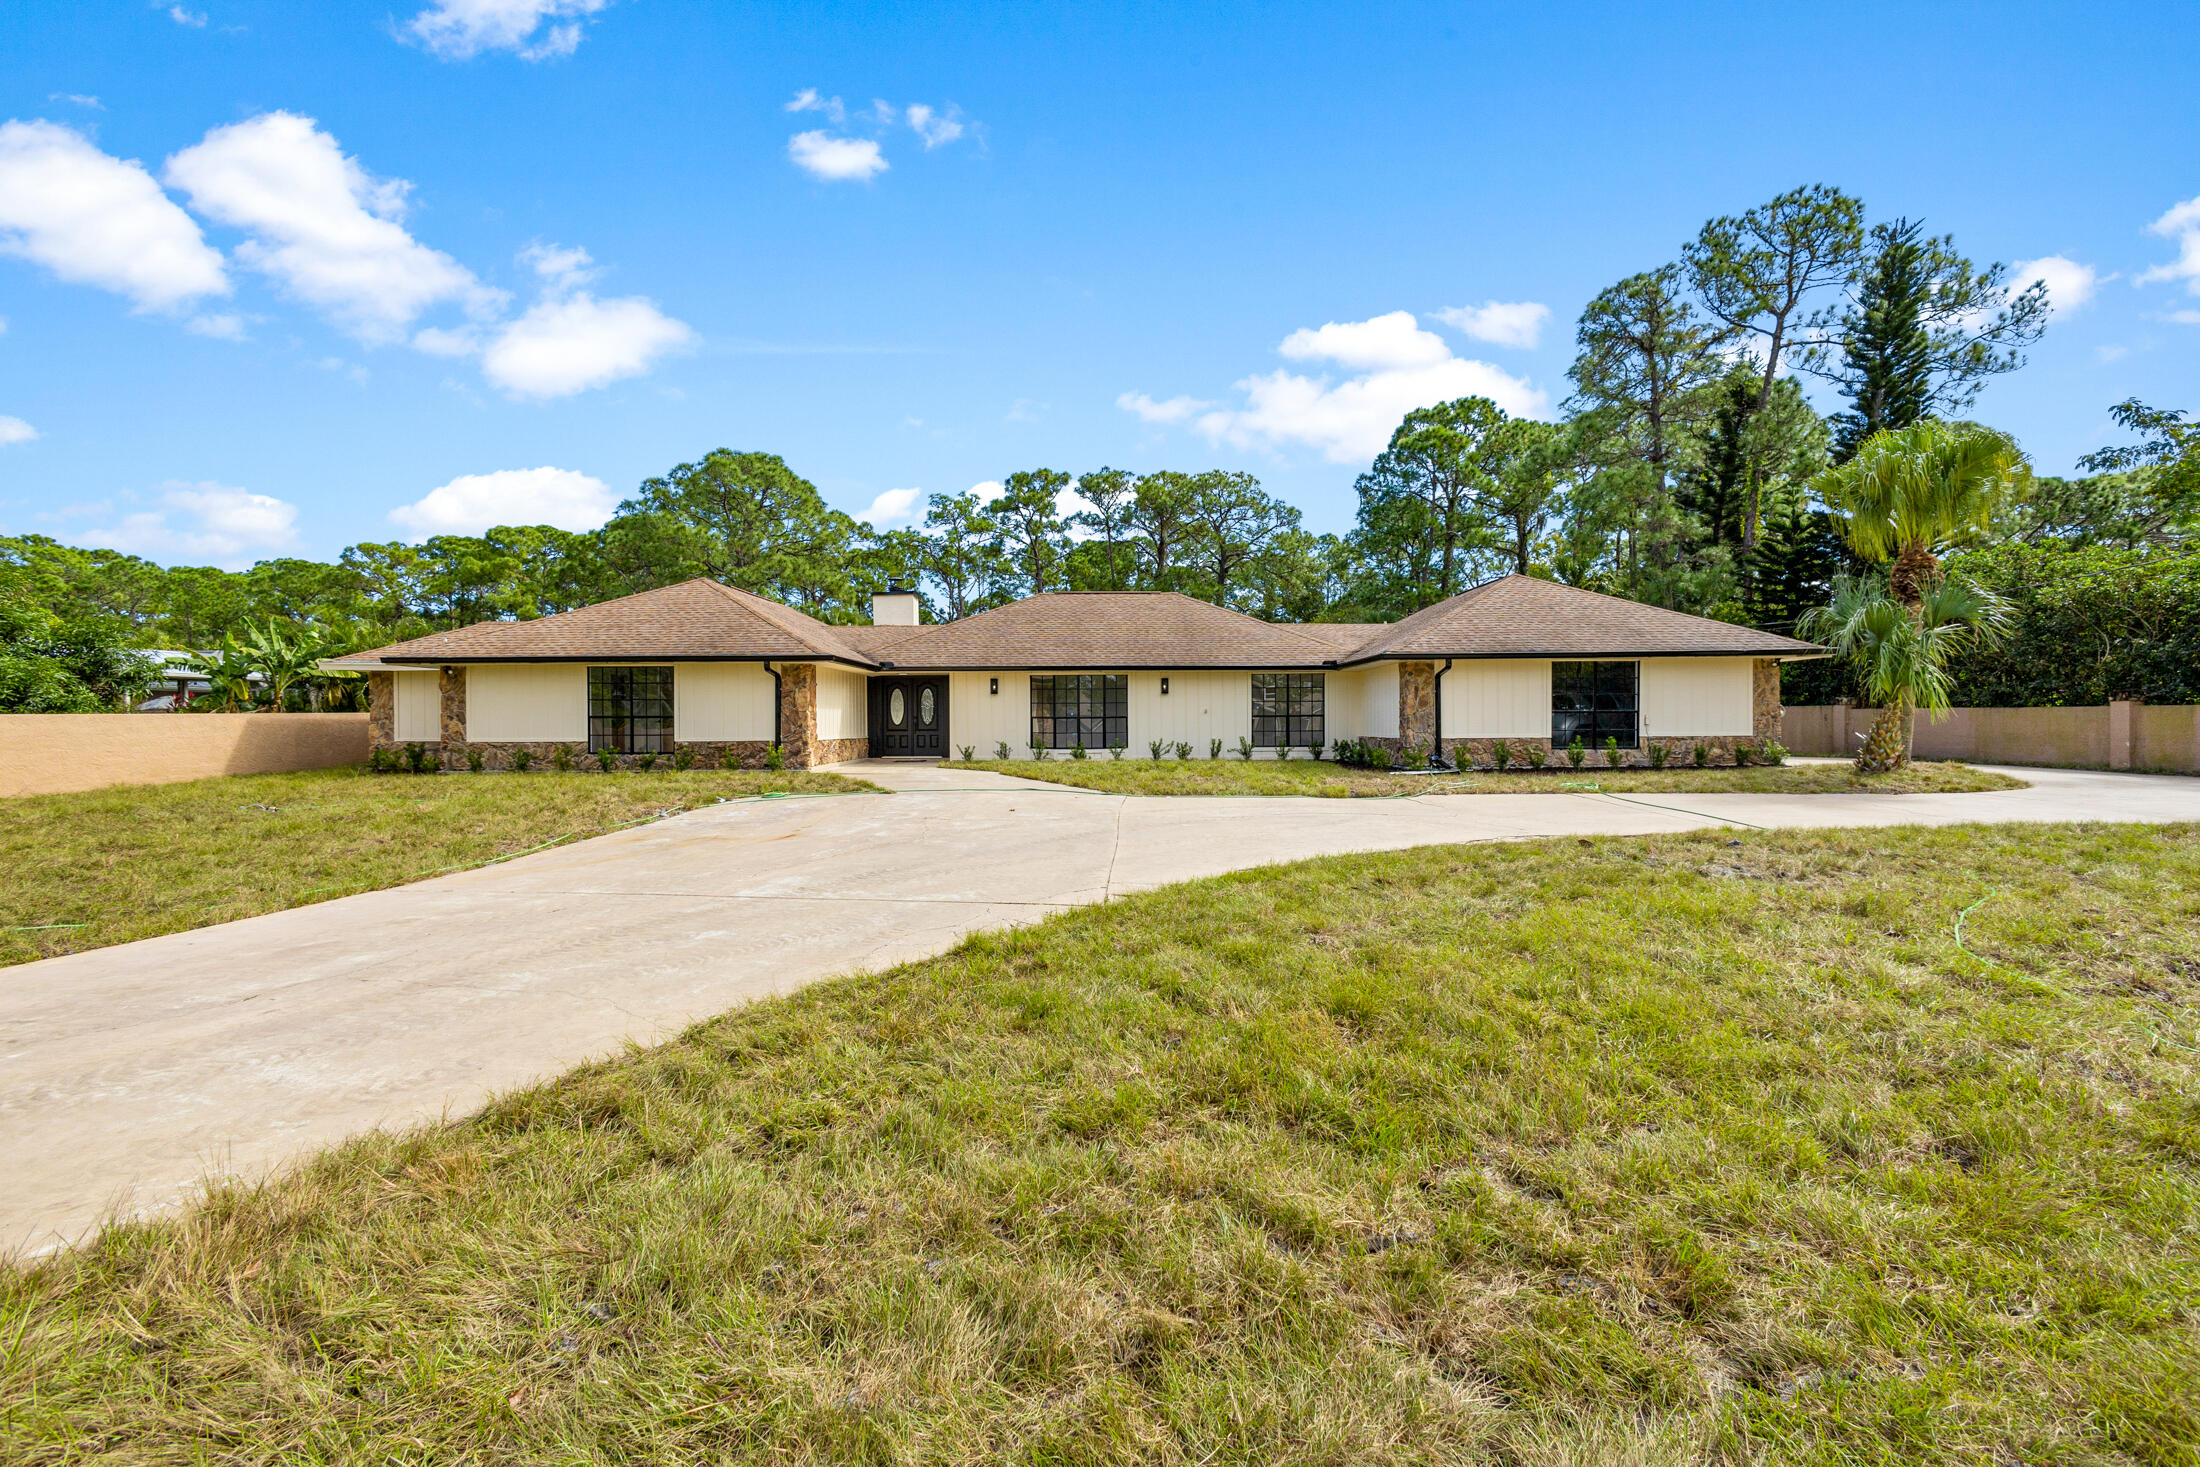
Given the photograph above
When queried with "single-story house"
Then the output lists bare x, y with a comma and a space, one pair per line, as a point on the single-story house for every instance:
722, 673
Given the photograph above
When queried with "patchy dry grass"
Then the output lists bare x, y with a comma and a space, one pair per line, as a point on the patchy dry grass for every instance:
1336, 781
1656, 1150
113, 865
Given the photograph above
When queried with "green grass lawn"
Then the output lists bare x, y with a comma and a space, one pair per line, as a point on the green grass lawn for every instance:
1657, 1150
1308, 777
105, 866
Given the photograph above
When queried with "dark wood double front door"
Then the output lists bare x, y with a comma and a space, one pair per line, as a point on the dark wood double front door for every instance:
909, 717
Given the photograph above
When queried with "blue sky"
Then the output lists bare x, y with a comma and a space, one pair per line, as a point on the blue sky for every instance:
274, 273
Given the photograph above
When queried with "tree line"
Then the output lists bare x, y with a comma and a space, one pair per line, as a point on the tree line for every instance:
1681, 472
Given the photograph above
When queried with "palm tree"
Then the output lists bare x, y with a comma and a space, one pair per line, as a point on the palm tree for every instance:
228, 671
1910, 493
1902, 650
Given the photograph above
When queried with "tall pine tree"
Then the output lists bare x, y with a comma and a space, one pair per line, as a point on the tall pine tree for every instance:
1887, 352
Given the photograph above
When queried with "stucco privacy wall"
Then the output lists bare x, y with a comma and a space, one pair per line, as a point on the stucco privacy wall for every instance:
843, 704
418, 699
53, 753
533, 702
2119, 735
722, 702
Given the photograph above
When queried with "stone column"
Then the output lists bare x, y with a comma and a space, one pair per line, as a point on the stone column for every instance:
453, 687
1417, 704
2123, 733
1764, 688
381, 710
798, 713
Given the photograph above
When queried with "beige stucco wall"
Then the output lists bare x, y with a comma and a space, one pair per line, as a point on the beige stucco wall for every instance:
722, 701
2166, 738
50, 753
1693, 697
843, 706
529, 702
419, 700
1498, 698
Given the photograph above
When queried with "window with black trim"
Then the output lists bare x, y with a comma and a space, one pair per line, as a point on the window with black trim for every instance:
1287, 710
630, 709
1093, 709
1594, 701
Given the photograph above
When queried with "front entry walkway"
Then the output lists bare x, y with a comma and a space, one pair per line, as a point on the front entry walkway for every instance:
129, 1072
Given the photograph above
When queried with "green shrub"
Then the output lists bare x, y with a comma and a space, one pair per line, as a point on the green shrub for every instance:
1744, 751
1575, 753
562, 757
1001, 751
1502, 753
1378, 757
1659, 753
645, 761
418, 759
775, 757
1244, 748
1536, 754
729, 758
683, 758
521, 758
1077, 750
1772, 751
1183, 748
969, 752
607, 760
1611, 751
1214, 748
1038, 750
1117, 751
1701, 754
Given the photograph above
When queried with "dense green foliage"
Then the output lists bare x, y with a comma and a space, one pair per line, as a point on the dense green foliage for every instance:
2087, 624
52, 664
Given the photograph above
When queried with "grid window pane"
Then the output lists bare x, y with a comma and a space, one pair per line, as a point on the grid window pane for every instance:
1594, 701
1089, 708
1288, 709
630, 709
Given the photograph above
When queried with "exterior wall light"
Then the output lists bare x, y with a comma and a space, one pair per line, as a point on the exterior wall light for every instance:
994, 686
1164, 687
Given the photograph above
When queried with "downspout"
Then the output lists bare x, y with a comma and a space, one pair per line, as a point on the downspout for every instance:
777, 712
1438, 751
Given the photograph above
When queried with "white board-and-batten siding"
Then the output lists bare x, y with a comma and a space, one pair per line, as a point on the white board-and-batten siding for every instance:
547, 702
418, 713
1679, 697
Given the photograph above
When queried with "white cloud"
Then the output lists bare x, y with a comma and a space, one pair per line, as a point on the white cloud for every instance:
2185, 318
15, 430
894, 508
458, 29
1170, 410
1505, 323
2183, 225
571, 343
222, 327
2069, 284
81, 99
196, 19
472, 503
808, 100
559, 267
321, 225
438, 341
1394, 367
204, 522
97, 220
934, 127
836, 159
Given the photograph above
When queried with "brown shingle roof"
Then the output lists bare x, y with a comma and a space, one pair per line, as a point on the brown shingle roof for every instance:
1524, 616
1097, 629
694, 619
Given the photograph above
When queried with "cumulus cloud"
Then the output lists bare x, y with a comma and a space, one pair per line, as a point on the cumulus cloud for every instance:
836, 159
97, 220
195, 19
320, 225
568, 344
1170, 410
559, 267
1390, 367
472, 503
894, 509
934, 127
533, 29
808, 100
2181, 224
2069, 284
205, 522
15, 430
1503, 323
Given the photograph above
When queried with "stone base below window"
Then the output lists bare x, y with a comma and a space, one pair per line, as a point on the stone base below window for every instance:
709, 754
840, 751
1680, 753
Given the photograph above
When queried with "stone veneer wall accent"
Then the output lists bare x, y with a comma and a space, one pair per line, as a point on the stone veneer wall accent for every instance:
840, 751
1416, 703
1764, 691
709, 754
798, 713
452, 683
381, 710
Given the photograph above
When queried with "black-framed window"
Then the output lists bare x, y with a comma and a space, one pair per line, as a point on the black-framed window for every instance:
1093, 709
630, 709
1595, 701
1287, 710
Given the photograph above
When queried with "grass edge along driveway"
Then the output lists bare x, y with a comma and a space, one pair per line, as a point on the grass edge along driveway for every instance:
1233, 776
1651, 1149
98, 867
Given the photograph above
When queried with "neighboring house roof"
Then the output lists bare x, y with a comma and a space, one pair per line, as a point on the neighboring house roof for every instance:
1514, 616
694, 620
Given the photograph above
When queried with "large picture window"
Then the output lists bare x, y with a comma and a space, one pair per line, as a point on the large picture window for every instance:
1287, 710
1093, 709
1594, 701
630, 709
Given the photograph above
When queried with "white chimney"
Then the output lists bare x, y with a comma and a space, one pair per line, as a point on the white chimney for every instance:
896, 606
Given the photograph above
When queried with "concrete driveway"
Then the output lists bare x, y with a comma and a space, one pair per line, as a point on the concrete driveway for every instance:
128, 1073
